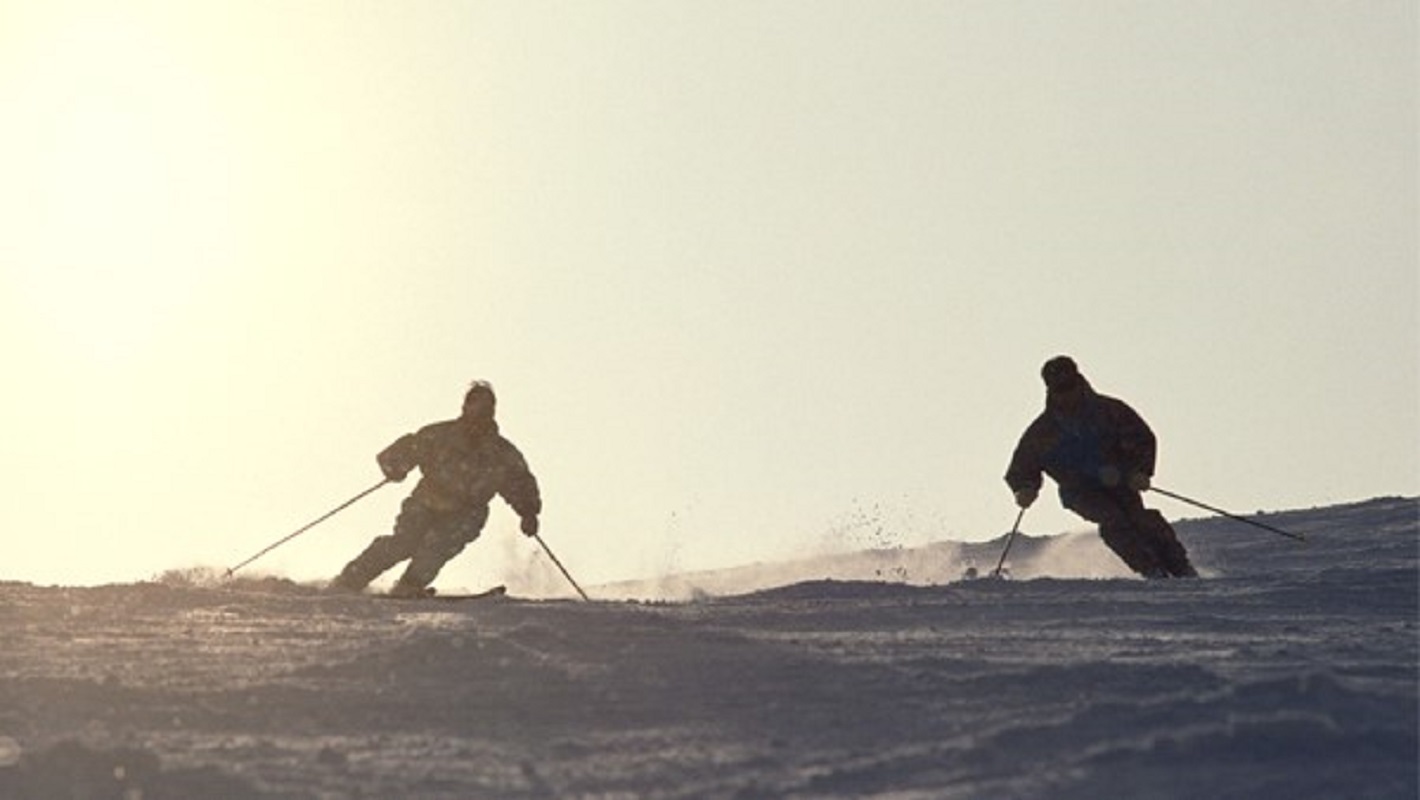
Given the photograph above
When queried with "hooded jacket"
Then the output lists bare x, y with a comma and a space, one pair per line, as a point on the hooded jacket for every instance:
1072, 447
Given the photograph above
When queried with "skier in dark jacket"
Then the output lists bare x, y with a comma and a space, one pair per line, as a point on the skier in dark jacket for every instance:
1101, 455
463, 463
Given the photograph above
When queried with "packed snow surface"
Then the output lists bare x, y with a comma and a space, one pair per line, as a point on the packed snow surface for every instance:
1289, 670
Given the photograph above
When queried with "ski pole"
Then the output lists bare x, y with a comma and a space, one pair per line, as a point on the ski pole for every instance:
996, 573
1299, 537
307, 527
565, 574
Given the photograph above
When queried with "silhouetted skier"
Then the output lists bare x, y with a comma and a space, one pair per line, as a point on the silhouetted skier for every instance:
1101, 454
463, 463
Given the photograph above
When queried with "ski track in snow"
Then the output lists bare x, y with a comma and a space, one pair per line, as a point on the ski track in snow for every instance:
1291, 671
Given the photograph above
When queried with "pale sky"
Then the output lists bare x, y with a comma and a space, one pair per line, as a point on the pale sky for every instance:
751, 279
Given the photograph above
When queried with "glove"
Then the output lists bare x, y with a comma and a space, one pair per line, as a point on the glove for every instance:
394, 472
399, 458
1139, 482
1024, 497
530, 525
1109, 476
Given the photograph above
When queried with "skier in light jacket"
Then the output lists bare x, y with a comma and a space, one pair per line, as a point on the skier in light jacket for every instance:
463, 464
1101, 455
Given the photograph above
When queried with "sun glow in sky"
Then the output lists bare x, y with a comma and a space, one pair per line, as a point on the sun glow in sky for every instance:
751, 279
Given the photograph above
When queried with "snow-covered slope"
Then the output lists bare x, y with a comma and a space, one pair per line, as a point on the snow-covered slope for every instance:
1291, 671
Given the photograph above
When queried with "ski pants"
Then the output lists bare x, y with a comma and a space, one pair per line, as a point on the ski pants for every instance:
429, 538
1138, 535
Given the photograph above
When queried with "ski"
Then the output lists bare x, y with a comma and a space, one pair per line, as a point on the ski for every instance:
432, 594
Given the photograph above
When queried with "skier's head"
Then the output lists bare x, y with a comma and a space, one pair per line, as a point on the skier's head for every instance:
479, 403
1063, 383
1060, 374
